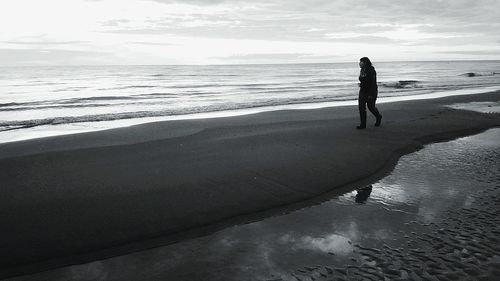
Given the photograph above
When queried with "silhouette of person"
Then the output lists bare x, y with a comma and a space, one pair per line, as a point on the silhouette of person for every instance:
363, 194
368, 92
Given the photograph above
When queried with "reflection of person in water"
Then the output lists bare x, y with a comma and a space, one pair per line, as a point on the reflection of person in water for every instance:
367, 92
363, 194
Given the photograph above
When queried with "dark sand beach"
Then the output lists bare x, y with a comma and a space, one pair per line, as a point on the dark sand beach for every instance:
428, 219
78, 198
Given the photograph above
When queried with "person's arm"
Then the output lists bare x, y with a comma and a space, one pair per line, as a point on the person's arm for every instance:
366, 79
363, 79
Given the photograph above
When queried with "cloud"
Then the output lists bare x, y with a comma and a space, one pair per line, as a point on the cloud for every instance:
369, 9
268, 56
474, 52
331, 243
50, 57
46, 43
193, 2
277, 58
304, 20
153, 43
337, 26
368, 39
115, 22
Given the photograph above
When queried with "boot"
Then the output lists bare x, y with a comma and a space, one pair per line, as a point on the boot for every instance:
379, 120
362, 117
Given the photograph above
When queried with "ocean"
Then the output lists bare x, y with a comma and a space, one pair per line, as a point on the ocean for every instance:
46, 101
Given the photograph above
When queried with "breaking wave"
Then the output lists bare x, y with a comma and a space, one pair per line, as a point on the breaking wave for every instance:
478, 74
20, 124
402, 84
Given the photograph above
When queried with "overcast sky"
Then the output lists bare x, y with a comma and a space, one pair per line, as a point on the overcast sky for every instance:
55, 32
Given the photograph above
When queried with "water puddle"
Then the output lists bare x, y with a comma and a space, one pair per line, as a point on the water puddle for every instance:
435, 216
482, 107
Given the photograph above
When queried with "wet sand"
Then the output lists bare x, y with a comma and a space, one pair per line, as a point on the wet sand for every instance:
77, 198
414, 224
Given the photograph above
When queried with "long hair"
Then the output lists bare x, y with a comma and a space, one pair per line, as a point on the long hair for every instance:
366, 60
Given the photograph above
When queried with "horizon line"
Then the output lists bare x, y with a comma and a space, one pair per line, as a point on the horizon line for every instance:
235, 64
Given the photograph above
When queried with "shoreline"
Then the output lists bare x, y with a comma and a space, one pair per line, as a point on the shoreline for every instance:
89, 127
211, 151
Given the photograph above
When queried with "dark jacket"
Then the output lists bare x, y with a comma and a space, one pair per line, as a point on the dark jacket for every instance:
368, 79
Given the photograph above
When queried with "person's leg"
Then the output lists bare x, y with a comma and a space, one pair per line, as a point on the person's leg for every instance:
374, 111
362, 112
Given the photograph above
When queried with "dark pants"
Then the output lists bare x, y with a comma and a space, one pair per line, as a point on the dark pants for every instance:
364, 101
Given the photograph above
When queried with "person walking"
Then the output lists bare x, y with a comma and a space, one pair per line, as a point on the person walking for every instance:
368, 92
